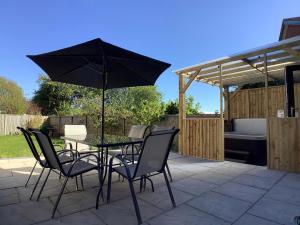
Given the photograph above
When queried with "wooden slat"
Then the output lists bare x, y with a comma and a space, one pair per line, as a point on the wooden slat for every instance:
252, 105
284, 144
203, 138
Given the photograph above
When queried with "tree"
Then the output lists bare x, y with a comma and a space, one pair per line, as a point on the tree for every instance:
140, 104
12, 100
172, 107
32, 108
54, 98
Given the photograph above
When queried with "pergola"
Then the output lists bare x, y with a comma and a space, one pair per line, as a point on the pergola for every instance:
261, 64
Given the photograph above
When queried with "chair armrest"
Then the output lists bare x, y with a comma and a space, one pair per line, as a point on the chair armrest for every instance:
79, 159
74, 153
123, 161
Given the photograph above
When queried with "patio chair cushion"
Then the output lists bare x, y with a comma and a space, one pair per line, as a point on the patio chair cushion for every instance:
78, 168
121, 170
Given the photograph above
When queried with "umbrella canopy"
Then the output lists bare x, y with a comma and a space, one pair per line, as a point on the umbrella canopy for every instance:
99, 64
84, 64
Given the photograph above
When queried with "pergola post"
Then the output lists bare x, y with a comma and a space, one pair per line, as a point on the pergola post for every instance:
266, 86
226, 103
221, 147
267, 107
182, 114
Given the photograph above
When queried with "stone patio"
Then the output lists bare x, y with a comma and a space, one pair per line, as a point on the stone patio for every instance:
206, 193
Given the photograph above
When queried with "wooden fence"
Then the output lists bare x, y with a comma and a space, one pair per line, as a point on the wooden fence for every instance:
250, 103
202, 138
284, 144
10, 122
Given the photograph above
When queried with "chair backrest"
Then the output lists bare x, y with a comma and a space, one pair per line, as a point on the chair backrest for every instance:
31, 145
75, 130
47, 148
161, 128
155, 152
137, 131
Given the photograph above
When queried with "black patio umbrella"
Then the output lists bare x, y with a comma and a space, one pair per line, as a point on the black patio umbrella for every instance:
99, 64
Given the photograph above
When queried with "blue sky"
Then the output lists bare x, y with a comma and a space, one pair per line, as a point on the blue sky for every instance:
176, 31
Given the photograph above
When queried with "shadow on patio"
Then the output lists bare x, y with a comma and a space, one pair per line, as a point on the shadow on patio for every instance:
206, 192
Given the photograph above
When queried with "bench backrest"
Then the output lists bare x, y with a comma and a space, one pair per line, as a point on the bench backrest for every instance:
250, 126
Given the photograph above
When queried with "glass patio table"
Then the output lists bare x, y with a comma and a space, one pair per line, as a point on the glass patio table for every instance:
110, 141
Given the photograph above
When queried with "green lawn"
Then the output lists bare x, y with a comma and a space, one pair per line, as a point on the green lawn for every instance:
16, 146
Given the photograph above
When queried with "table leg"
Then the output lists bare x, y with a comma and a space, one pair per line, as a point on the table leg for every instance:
132, 155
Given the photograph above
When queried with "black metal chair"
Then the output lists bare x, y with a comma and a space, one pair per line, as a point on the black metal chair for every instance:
161, 128
152, 161
62, 155
136, 131
70, 170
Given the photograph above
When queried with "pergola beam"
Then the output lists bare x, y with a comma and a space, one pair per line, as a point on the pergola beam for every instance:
191, 79
292, 52
291, 42
248, 69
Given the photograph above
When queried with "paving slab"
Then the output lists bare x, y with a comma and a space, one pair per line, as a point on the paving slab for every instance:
285, 194
291, 180
26, 212
85, 217
122, 212
279, 212
212, 177
253, 220
239, 191
76, 201
221, 206
261, 171
255, 181
193, 186
186, 215
161, 199
9, 196
5, 173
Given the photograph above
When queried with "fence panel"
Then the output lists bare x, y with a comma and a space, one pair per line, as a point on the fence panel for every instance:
284, 144
10, 122
203, 138
250, 103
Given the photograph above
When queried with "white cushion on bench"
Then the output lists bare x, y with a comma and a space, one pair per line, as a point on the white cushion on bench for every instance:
250, 126
238, 135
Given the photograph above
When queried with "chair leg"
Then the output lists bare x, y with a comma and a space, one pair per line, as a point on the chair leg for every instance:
59, 196
37, 182
42, 188
101, 183
76, 181
169, 172
135, 203
169, 189
81, 180
151, 182
109, 185
141, 184
30, 173
145, 183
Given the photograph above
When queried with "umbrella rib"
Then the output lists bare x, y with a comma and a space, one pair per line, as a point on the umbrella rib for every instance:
135, 73
71, 71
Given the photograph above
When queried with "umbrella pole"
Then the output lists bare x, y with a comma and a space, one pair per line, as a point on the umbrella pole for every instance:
103, 99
